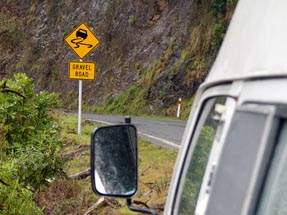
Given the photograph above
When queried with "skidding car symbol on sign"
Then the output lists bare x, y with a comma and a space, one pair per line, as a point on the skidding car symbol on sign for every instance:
82, 40
81, 35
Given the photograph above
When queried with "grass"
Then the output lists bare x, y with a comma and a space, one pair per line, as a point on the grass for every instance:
136, 99
171, 111
155, 170
66, 196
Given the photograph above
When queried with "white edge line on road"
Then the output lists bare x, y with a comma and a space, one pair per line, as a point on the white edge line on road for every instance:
99, 121
166, 142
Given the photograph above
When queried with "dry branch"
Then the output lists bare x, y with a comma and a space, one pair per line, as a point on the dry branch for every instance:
99, 203
137, 202
81, 175
12, 91
103, 201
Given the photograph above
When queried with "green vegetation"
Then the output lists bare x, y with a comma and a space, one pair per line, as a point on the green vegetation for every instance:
38, 145
218, 35
35, 142
129, 102
131, 20
30, 144
70, 196
135, 100
196, 170
218, 7
155, 170
30, 42
193, 64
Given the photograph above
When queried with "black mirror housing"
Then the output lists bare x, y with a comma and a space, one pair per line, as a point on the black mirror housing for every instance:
114, 160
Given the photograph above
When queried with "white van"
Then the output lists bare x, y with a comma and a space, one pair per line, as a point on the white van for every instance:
233, 155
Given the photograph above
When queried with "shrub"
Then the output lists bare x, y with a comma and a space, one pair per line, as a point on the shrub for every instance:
218, 7
30, 140
218, 35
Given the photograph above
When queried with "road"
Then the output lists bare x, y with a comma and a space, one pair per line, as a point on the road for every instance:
165, 133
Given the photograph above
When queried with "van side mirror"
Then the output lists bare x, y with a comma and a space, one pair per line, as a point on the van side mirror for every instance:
114, 160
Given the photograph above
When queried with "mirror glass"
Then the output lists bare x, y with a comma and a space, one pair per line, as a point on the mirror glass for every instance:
114, 160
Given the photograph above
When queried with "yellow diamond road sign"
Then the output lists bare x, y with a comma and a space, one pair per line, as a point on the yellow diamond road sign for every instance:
82, 70
82, 40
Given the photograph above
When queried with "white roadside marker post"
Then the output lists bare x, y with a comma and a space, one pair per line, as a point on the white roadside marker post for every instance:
178, 107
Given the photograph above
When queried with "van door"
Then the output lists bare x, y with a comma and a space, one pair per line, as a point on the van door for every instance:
204, 150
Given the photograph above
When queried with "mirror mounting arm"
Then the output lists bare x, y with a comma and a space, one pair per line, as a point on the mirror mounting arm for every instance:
141, 210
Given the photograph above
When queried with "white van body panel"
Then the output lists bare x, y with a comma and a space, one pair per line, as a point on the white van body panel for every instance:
254, 48
255, 44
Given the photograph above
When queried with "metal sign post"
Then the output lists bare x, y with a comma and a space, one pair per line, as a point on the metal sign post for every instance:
80, 104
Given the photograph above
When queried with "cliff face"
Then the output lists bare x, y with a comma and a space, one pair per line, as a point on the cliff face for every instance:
162, 49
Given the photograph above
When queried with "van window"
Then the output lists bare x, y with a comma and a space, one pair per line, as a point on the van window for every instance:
207, 134
274, 196
247, 143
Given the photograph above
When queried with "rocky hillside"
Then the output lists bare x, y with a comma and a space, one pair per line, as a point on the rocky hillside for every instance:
151, 51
